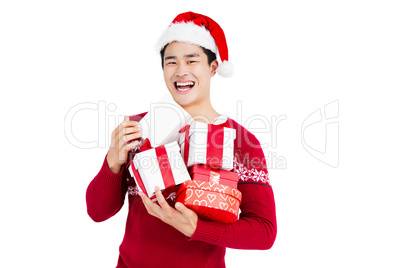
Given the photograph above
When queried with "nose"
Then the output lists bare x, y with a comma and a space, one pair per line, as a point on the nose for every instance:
181, 70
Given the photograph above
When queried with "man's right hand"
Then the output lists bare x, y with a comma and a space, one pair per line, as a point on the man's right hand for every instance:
119, 146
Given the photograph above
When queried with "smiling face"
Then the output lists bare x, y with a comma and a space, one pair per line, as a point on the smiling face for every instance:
187, 74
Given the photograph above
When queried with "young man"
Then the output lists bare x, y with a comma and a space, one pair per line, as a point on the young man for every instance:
167, 234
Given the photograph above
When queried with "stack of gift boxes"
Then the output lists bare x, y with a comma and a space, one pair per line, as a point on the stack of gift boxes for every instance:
195, 159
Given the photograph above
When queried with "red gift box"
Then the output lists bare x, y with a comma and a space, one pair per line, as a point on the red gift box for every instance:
155, 167
210, 201
218, 176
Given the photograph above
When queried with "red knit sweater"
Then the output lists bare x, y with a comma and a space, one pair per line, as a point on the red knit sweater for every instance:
149, 242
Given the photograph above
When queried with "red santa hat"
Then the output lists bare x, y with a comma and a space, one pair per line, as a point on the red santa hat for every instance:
200, 30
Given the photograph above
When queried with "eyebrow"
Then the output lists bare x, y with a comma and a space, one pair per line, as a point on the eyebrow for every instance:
192, 55
186, 56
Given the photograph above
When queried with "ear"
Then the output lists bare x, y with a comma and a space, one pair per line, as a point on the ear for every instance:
214, 65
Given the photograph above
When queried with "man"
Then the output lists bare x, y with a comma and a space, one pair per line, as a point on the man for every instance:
167, 234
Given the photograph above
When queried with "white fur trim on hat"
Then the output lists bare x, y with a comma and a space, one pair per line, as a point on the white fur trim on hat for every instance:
225, 69
188, 33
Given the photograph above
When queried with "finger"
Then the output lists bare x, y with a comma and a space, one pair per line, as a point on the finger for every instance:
130, 137
130, 145
126, 122
123, 124
161, 199
132, 124
146, 203
183, 209
116, 131
151, 207
127, 138
130, 130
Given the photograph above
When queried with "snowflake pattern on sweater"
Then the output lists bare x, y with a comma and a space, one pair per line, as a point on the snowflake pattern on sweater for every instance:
133, 190
253, 174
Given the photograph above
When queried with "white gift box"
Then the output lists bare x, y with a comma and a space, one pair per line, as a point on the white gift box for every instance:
198, 148
163, 121
162, 166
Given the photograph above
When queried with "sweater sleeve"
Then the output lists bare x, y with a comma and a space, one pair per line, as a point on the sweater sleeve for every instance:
256, 227
105, 194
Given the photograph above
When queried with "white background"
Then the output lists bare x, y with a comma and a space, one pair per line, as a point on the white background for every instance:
291, 58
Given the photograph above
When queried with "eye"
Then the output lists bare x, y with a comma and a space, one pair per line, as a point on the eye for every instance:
191, 61
170, 63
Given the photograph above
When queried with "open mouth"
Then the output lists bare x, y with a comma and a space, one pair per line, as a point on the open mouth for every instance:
184, 86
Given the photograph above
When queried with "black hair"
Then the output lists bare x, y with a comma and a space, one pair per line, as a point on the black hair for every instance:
210, 55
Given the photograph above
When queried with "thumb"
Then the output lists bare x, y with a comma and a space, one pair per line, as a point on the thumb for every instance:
182, 208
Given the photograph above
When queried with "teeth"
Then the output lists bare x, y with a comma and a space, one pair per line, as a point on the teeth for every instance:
180, 84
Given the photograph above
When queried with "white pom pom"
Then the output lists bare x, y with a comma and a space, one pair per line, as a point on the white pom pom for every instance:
225, 69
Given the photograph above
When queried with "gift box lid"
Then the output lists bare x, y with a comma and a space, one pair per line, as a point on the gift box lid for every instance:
148, 158
162, 123
210, 186
206, 170
200, 127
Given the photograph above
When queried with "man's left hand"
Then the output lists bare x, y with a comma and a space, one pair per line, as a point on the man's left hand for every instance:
182, 218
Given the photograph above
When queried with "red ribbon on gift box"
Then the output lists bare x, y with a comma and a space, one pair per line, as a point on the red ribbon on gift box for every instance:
163, 162
214, 143
164, 166
214, 176
186, 129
